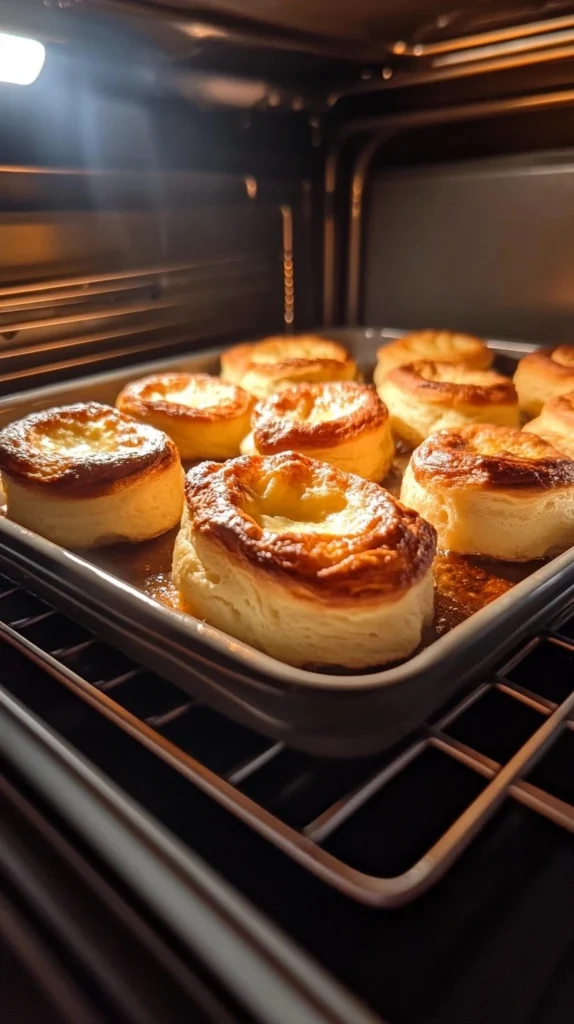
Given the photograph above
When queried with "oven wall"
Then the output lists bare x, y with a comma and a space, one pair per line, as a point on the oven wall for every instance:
131, 224
483, 245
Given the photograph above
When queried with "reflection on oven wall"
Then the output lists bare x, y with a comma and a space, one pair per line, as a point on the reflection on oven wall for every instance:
483, 246
99, 183
91, 220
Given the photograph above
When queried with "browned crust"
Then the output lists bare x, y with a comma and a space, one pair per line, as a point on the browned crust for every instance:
551, 363
422, 381
238, 361
393, 550
558, 414
478, 355
275, 429
497, 458
141, 450
136, 399
561, 409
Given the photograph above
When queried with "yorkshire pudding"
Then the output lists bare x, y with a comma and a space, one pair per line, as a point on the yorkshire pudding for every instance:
304, 562
543, 375
424, 397
556, 423
340, 422
493, 491
266, 366
433, 346
85, 475
206, 417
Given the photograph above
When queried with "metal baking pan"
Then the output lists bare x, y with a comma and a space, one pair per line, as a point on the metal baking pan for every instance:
328, 714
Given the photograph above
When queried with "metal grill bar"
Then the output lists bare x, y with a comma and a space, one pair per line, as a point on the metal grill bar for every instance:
118, 680
64, 652
79, 283
109, 285
32, 620
335, 815
527, 794
503, 779
169, 716
82, 316
541, 704
455, 712
242, 773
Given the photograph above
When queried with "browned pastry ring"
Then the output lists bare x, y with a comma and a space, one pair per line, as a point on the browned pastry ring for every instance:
205, 416
276, 550
556, 423
423, 397
433, 346
266, 366
340, 422
85, 474
493, 491
543, 375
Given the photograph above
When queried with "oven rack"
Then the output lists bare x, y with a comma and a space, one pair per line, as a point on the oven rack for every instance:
381, 829
87, 320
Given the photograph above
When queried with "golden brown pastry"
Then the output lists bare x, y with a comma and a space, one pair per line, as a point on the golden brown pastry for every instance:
85, 475
424, 397
266, 366
542, 375
432, 346
206, 417
493, 491
556, 423
340, 422
563, 444
306, 563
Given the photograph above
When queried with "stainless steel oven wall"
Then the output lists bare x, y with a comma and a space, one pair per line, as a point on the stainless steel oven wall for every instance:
138, 262
481, 245
133, 224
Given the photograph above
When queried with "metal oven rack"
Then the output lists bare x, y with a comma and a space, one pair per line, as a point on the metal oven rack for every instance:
66, 324
382, 828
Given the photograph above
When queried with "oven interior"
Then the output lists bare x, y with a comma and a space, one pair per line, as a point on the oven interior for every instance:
178, 177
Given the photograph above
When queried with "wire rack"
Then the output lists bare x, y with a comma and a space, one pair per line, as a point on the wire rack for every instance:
381, 829
84, 320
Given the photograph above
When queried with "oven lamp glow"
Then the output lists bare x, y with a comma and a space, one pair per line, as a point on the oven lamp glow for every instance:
21, 59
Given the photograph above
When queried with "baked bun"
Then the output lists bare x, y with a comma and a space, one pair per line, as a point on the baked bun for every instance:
304, 562
556, 423
266, 366
542, 375
425, 396
206, 417
340, 422
493, 491
85, 475
434, 346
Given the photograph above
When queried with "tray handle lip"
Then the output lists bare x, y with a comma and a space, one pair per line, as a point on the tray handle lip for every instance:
499, 613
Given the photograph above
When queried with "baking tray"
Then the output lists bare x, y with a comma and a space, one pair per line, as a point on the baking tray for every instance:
328, 714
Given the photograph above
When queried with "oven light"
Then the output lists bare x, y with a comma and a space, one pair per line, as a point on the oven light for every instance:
21, 59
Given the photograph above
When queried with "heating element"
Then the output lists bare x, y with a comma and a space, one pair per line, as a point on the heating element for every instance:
381, 828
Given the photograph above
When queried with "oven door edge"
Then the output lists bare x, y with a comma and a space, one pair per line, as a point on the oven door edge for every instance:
256, 964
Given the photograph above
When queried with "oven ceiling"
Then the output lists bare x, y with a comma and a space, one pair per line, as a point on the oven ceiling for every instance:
309, 54
377, 24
